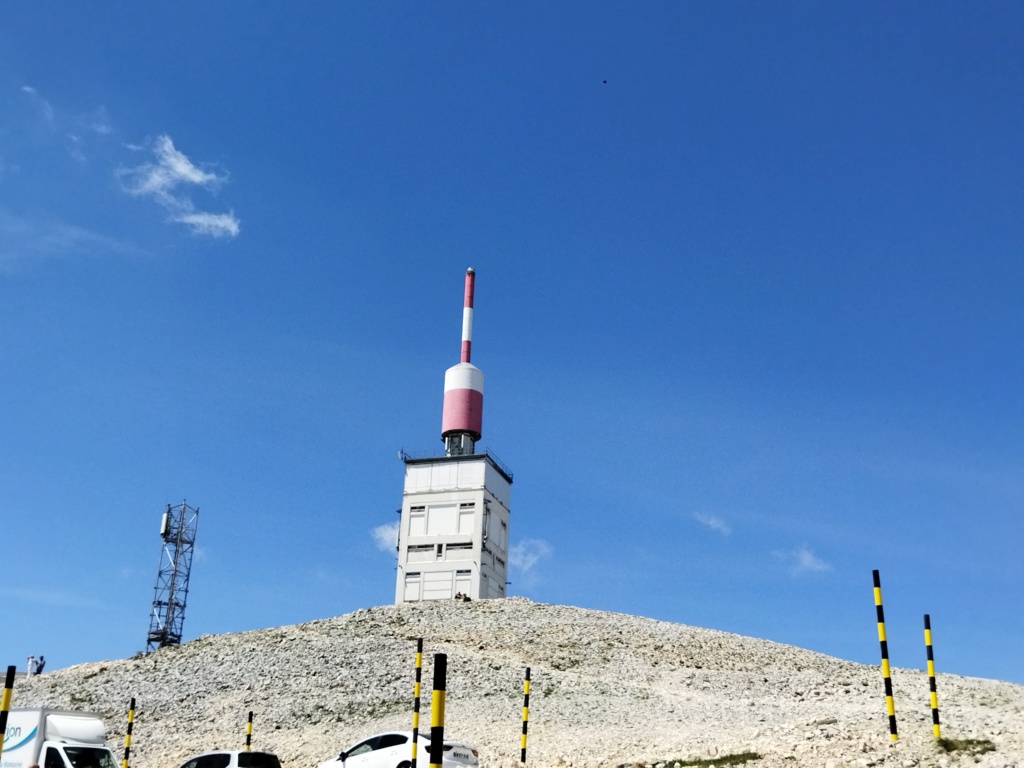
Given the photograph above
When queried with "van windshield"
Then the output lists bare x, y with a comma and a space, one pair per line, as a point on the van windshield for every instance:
89, 757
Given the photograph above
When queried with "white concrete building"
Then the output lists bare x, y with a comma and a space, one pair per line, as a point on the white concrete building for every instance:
453, 535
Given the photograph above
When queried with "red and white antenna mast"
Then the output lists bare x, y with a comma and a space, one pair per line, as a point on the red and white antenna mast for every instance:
463, 410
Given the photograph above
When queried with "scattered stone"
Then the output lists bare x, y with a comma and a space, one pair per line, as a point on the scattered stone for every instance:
609, 690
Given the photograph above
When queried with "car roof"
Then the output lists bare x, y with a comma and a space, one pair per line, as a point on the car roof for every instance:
227, 752
423, 735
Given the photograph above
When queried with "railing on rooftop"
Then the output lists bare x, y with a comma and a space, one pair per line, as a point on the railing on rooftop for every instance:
404, 454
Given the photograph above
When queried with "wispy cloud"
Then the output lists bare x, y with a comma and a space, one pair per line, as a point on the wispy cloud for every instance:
802, 560
41, 104
169, 177
47, 123
386, 537
97, 121
713, 522
74, 147
524, 555
214, 224
164, 182
24, 238
51, 597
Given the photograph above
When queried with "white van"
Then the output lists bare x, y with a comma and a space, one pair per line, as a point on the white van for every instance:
55, 738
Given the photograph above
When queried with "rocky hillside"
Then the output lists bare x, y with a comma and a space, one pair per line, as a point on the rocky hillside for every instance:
607, 689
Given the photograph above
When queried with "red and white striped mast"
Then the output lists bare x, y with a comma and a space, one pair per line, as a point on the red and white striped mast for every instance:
462, 413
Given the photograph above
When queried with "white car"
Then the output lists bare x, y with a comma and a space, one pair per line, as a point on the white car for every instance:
232, 758
394, 750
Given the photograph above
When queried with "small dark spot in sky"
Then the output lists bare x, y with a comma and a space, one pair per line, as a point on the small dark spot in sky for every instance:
605, 82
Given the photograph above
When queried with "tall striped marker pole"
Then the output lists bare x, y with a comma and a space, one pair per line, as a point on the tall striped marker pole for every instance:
933, 694
416, 699
128, 733
437, 710
890, 708
5, 704
248, 733
526, 715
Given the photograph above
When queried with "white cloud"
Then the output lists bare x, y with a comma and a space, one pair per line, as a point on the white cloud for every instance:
163, 181
802, 560
80, 133
172, 169
74, 147
52, 597
713, 522
527, 553
214, 224
45, 108
97, 121
386, 537
24, 238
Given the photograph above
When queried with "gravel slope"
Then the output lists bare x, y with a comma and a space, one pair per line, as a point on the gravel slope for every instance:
607, 689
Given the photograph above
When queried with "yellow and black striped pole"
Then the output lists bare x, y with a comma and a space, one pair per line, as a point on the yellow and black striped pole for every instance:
526, 715
416, 699
933, 694
437, 710
128, 733
248, 732
5, 704
890, 708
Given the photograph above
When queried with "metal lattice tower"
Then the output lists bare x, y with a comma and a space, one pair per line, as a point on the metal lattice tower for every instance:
178, 532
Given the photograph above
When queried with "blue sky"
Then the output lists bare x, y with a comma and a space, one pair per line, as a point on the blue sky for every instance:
749, 305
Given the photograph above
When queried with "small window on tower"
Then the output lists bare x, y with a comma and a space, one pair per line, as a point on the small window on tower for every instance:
440, 551
423, 553
417, 521
467, 513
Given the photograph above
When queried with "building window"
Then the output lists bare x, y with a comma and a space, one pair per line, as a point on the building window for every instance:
417, 521
412, 587
467, 514
423, 553
459, 552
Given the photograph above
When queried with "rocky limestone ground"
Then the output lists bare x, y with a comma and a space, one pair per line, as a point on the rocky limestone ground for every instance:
607, 689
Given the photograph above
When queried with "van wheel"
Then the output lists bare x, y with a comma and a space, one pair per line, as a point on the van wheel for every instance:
406, 764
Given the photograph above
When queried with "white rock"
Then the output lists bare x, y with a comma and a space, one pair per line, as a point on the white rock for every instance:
607, 689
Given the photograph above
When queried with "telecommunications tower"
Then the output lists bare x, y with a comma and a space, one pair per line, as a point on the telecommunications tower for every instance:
453, 534
178, 535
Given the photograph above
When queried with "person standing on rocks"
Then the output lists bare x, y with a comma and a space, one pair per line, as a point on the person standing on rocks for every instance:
40, 664
31, 667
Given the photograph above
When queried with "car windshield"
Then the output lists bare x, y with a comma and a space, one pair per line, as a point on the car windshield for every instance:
89, 757
258, 760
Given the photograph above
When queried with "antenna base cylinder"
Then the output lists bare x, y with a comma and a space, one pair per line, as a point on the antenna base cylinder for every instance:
463, 408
